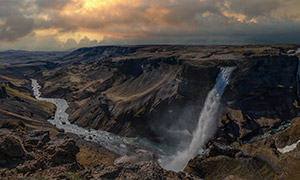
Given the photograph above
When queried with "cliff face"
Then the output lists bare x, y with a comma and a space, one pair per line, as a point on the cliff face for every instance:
158, 92
262, 95
129, 91
129, 94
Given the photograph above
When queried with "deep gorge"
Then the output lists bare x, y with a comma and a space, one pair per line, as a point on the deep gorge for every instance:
149, 98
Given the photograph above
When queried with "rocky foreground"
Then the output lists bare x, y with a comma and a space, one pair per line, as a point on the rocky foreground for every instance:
34, 155
155, 92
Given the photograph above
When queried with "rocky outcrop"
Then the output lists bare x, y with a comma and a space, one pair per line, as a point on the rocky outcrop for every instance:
35, 155
11, 146
62, 152
24, 155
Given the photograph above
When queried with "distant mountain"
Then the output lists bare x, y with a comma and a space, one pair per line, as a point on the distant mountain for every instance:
20, 56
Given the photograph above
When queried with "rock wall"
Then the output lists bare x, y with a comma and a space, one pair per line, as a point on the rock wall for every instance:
261, 96
157, 92
134, 92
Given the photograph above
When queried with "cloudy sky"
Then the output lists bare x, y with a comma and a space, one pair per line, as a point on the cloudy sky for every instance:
67, 24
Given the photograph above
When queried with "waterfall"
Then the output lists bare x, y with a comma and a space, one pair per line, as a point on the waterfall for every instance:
206, 123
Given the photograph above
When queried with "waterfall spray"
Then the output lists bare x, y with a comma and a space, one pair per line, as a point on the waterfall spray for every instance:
206, 123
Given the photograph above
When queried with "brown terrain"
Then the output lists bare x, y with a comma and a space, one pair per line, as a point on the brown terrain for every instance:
157, 93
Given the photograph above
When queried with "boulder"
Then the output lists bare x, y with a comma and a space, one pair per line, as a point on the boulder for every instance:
63, 152
12, 146
36, 139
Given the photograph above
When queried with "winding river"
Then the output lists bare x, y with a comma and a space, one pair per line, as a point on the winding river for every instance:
120, 145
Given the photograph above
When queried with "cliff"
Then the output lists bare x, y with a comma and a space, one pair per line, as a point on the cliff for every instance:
157, 92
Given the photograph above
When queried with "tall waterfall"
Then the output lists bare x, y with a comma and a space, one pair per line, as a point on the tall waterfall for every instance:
206, 123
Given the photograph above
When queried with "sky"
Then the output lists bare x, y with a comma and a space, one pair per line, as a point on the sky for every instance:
55, 25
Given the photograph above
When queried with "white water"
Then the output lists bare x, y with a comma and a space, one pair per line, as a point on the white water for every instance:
297, 51
206, 123
289, 148
110, 141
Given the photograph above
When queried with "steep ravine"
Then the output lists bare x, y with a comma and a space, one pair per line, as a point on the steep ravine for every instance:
158, 96
61, 121
176, 161
206, 124
135, 149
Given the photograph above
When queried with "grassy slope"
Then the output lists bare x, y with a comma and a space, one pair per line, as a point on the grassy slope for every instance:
13, 107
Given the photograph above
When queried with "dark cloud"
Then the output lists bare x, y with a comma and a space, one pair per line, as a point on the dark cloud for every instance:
255, 8
152, 21
14, 24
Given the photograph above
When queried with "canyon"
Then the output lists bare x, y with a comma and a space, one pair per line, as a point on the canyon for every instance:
142, 107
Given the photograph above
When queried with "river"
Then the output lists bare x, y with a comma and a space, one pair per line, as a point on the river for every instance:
125, 147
